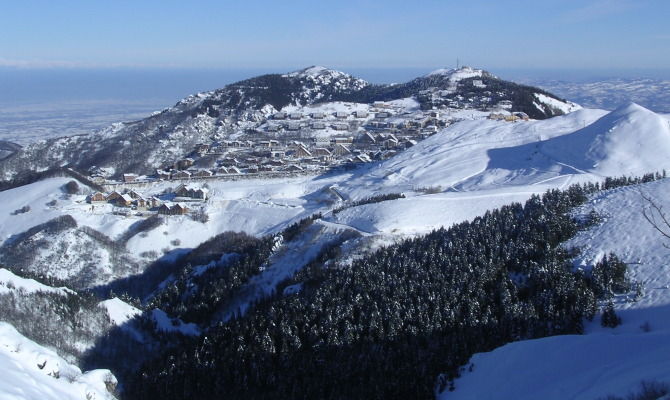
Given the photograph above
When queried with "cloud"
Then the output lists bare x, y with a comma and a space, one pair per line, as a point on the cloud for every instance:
597, 9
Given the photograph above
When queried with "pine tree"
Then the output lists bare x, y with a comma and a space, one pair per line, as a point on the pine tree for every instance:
609, 317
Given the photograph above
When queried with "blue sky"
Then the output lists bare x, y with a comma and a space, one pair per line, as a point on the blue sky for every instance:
285, 35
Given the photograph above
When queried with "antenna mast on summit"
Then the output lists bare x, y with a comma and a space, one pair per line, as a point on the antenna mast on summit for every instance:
457, 63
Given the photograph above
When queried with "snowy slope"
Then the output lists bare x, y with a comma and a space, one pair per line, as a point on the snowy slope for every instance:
9, 281
471, 166
604, 361
566, 367
630, 139
460, 153
476, 155
119, 311
32, 372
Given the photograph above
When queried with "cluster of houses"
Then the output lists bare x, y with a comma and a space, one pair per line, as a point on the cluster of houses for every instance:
512, 117
375, 135
134, 200
128, 199
354, 136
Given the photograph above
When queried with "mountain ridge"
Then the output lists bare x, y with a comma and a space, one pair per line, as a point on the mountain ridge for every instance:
239, 109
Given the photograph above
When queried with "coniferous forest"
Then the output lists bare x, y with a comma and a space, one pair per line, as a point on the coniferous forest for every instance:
398, 323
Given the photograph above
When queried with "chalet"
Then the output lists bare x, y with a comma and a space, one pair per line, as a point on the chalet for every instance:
321, 151
382, 114
429, 129
341, 150
318, 125
496, 116
272, 128
134, 195
390, 144
302, 152
295, 144
97, 197
221, 171
377, 125
400, 124
172, 209
279, 115
340, 114
154, 202
367, 137
321, 141
409, 143
362, 158
426, 122
277, 154
113, 196
342, 140
235, 143
191, 191
183, 164
129, 177
295, 115
360, 114
160, 174
293, 168
227, 162
435, 114
234, 170
123, 201
98, 179
293, 126
181, 175
511, 118
141, 204
203, 173
201, 148
340, 127
317, 115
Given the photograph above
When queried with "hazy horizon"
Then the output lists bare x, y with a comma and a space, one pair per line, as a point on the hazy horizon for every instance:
22, 86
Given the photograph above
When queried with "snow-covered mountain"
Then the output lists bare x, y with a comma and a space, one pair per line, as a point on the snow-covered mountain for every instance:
195, 275
242, 107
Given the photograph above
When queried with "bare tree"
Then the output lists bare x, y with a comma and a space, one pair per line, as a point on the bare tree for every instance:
654, 214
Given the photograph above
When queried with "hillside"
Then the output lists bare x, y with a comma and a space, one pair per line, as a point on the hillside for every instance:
239, 110
311, 237
604, 361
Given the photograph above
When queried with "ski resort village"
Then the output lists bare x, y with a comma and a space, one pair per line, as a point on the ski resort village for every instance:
312, 224
324, 137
